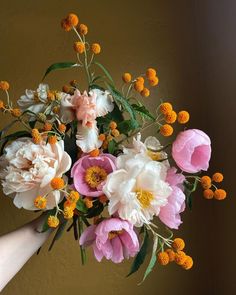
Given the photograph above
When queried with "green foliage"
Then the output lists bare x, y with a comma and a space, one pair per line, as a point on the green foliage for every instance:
112, 147
127, 125
80, 206
189, 188
95, 210
140, 257
58, 234
58, 66
105, 71
143, 112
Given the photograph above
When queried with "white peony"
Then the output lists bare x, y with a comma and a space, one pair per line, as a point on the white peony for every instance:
137, 190
27, 170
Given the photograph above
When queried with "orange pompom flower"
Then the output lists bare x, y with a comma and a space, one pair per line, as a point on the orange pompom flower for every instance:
57, 183
68, 212
47, 126
53, 221
112, 125
163, 258
153, 81
220, 194
206, 182
94, 153
102, 137
151, 73
145, 92
208, 194
72, 20
79, 47
138, 86
183, 117
1, 105
178, 244
73, 196
52, 139
165, 108
62, 128
188, 263
40, 202
217, 177
83, 29
16, 112
171, 117
180, 257
126, 77
96, 48
171, 254
166, 130
4, 85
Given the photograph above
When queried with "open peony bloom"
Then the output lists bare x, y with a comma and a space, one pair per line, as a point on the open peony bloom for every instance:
87, 107
113, 238
170, 213
27, 170
192, 150
90, 173
137, 190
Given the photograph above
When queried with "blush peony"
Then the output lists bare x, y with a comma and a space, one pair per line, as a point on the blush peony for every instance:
192, 150
27, 170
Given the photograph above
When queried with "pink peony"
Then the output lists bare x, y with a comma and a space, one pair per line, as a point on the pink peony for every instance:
170, 214
192, 150
89, 173
113, 238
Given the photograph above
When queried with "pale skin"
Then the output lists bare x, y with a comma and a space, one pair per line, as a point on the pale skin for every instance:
18, 246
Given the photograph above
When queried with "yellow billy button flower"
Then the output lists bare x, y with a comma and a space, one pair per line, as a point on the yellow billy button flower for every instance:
73, 196
178, 244
53, 221
62, 128
16, 112
65, 25
145, 92
206, 182
166, 130
40, 202
115, 132
83, 29
153, 81
2, 106
138, 86
208, 194
94, 153
50, 96
151, 73
183, 117
4, 85
217, 177
109, 138
140, 79
171, 254
113, 125
66, 89
126, 77
52, 139
68, 212
180, 257
88, 202
165, 108
79, 47
220, 194
188, 263
47, 126
96, 48
102, 137
72, 20
163, 258
171, 117
57, 183
71, 205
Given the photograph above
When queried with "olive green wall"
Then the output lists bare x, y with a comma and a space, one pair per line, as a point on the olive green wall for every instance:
192, 44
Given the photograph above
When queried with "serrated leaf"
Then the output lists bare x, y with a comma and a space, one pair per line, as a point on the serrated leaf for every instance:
127, 125
140, 257
58, 66
105, 71
152, 260
143, 111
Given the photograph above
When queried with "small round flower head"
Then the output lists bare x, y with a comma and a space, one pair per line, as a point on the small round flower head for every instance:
208, 194
140, 79
1, 105
96, 48
153, 81
220, 194
183, 117
165, 108
72, 20
83, 29
53, 221
113, 125
115, 132
56, 110
178, 244
163, 258
138, 86
52, 139
16, 112
47, 126
102, 137
73, 196
171, 117
69, 204
94, 153
68, 212
151, 73
145, 92
66, 89
37, 139
103, 199
105, 144
188, 263
57, 183
109, 138
40, 202
180, 257
62, 128
126, 77
4, 85
50, 96
35, 132
171, 254
88, 202
65, 25
166, 130
206, 182
217, 177
79, 47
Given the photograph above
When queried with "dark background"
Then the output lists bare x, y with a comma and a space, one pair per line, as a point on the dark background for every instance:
192, 44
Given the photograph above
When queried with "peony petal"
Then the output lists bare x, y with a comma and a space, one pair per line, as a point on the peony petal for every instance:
88, 236
117, 255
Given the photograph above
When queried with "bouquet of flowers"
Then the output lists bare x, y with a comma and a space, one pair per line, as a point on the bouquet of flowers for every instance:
80, 159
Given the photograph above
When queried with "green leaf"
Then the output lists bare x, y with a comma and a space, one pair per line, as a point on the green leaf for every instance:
95, 210
80, 206
82, 250
123, 101
140, 257
105, 71
59, 65
152, 260
143, 112
112, 146
58, 234
189, 188
127, 125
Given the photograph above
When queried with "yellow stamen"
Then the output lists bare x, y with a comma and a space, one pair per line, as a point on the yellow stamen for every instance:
94, 176
114, 233
144, 197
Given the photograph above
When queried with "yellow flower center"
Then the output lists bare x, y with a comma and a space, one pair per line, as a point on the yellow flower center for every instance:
155, 156
144, 197
114, 233
94, 176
